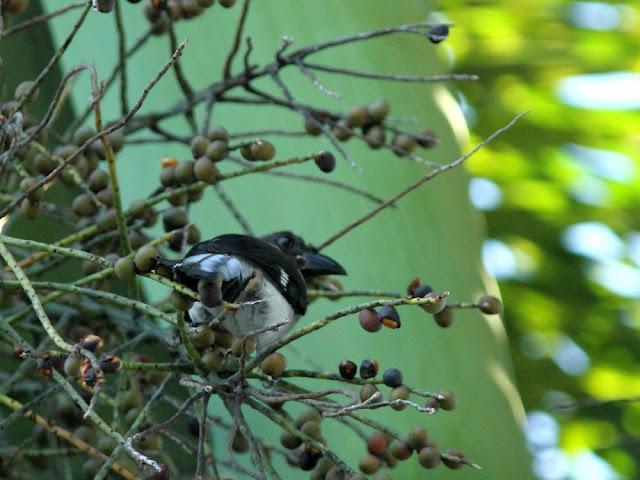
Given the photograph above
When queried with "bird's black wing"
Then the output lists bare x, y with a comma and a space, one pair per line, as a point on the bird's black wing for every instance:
277, 267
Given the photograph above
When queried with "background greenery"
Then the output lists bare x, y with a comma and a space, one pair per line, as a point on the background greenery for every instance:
567, 216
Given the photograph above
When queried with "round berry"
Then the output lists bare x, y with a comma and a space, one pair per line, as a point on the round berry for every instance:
368, 368
444, 318
400, 450
369, 320
203, 336
98, 180
404, 143
438, 303
389, 317
180, 301
392, 377
369, 464
399, 393
490, 305
367, 391
375, 137
418, 438
125, 269
274, 364
185, 173
144, 258
84, 206
325, 161
217, 132
347, 369
429, 457
210, 293
217, 150
422, 290
357, 116
377, 444
263, 150
378, 110
205, 170
447, 400
199, 146
289, 441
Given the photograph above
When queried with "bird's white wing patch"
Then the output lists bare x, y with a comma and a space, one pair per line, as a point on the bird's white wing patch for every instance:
227, 266
284, 278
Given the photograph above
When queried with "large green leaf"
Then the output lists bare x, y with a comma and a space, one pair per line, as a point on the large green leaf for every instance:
434, 233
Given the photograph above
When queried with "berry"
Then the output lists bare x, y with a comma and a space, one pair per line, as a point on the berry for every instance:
438, 304
444, 318
369, 320
144, 258
125, 269
369, 464
289, 441
378, 110
98, 180
174, 218
389, 317
84, 206
213, 360
453, 458
399, 393
110, 364
199, 146
418, 438
168, 162
217, 132
249, 345
185, 173
210, 292
447, 400
26, 184
368, 368
404, 143
240, 443
274, 364
377, 444
392, 377
263, 150
205, 170
308, 415
490, 305
227, 3
312, 429
421, 291
30, 209
375, 137
217, 150
312, 128
347, 369
357, 116
180, 301
400, 450
91, 342
367, 391
426, 138
342, 131
72, 365
203, 336
429, 457
168, 177
325, 161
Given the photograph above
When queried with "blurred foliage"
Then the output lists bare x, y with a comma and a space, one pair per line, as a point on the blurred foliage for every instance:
523, 51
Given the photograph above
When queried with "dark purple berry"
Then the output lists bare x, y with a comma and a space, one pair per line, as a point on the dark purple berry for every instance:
368, 368
370, 320
392, 377
347, 369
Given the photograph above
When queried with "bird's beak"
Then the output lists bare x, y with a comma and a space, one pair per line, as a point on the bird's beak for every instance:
314, 264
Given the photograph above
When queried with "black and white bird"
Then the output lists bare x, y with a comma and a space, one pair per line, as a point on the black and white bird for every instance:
265, 276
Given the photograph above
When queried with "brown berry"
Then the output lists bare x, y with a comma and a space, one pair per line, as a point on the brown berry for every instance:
199, 146
369, 464
274, 364
367, 391
378, 110
369, 320
444, 317
447, 400
399, 393
400, 450
490, 305
205, 170
429, 457
263, 150
377, 444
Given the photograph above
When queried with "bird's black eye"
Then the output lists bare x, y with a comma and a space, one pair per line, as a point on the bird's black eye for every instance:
286, 242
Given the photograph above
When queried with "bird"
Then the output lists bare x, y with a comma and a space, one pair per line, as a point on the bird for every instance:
262, 278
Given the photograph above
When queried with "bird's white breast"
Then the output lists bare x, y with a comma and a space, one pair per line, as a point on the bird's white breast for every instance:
271, 309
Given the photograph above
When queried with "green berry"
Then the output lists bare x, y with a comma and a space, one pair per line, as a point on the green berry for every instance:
418, 438
26, 184
399, 393
369, 464
274, 364
205, 170
404, 143
168, 177
375, 137
213, 360
378, 110
72, 365
180, 301
429, 457
357, 116
438, 303
263, 150
84, 206
227, 3
217, 150
174, 218
308, 415
367, 391
400, 450
203, 337
144, 258
199, 146
83, 134
217, 132
289, 441
184, 172
312, 429
342, 131
30, 209
240, 443
312, 128
98, 180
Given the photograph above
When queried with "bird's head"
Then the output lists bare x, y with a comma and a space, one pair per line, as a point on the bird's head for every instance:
310, 262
